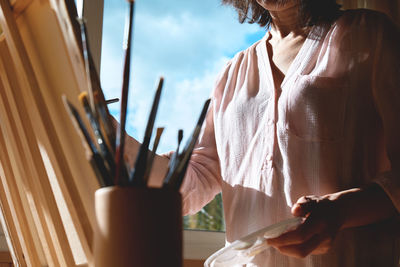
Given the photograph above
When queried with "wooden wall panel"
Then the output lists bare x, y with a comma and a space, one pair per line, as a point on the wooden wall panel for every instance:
57, 77
12, 177
38, 63
41, 199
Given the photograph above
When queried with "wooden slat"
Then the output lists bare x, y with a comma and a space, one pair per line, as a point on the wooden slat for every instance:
48, 222
26, 153
15, 200
8, 225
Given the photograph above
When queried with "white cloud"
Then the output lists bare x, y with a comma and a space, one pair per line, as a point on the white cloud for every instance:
180, 109
187, 41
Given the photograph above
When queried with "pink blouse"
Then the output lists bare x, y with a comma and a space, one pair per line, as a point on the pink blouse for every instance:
333, 124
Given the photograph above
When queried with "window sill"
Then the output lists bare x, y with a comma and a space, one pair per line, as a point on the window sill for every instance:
201, 244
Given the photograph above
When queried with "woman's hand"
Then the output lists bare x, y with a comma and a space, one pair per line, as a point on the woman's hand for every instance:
322, 221
325, 216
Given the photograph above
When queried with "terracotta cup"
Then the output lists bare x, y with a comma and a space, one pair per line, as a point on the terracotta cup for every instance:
138, 227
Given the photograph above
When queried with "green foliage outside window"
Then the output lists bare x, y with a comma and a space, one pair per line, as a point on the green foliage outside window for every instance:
208, 218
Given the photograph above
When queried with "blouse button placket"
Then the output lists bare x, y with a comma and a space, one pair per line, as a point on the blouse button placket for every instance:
271, 131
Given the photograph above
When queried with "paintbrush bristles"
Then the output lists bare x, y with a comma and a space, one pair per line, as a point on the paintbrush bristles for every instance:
180, 137
159, 133
83, 97
160, 130
86, 144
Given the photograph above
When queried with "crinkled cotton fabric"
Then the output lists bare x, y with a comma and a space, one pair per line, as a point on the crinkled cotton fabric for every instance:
333, 124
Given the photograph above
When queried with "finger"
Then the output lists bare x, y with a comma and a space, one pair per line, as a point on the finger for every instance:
304, 249
301, 234
304, 205
323, 248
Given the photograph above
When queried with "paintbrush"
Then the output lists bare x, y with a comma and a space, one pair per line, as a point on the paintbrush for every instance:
137, 177
105, 122
96, 99
112, 100
176, 173
174, 156
120, 140
180, 137
96, 160
86, 54
93, 81
101, 140
152, 154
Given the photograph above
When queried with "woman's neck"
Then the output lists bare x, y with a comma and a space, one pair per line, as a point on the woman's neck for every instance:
286, 21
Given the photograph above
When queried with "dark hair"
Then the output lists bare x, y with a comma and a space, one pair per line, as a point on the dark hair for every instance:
312, 12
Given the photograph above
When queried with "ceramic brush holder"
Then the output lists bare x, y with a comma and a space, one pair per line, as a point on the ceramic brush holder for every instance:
138, 227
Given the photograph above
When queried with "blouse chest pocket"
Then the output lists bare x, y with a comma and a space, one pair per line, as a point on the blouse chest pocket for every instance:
316, 108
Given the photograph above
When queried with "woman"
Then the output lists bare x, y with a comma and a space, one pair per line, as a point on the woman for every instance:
306, 122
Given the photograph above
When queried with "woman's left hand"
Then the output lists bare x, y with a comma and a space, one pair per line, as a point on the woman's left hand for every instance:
322, 220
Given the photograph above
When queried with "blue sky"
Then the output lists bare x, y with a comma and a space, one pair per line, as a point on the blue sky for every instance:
187, 42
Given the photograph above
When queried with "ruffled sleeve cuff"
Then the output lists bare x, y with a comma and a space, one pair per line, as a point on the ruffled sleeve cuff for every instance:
200, 184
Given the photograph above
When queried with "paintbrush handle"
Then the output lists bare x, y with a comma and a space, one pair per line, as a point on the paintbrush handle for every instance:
96, 160
176, 173
152, 155
120, 141
101, 141
86, 53
138, 174
112, 100
105, 119
100, 170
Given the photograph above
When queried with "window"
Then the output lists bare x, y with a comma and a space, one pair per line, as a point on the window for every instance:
188, 42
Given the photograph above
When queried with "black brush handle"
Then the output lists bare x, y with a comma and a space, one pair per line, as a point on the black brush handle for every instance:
120, 140
137, 177
176, 174
102, 174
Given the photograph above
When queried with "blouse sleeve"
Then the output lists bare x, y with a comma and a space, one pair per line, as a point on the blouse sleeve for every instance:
203, 176
386, 92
